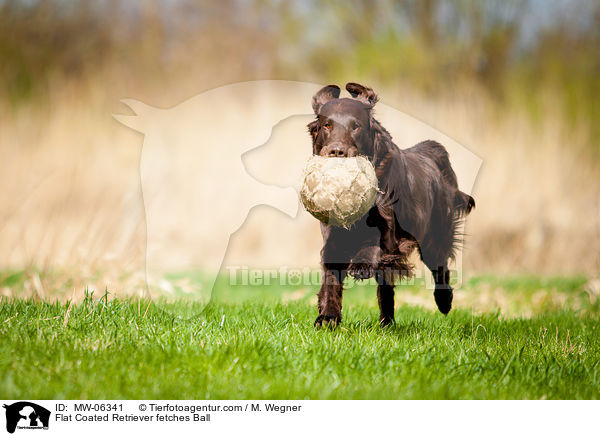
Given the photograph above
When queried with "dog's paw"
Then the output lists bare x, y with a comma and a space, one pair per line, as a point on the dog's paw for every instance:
443, 299
386, 321
327, 321
364, 264
361, 271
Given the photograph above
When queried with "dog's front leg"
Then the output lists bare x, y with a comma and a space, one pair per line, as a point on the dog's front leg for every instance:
330, 295
385, 297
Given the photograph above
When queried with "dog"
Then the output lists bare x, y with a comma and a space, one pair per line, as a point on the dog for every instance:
419, 206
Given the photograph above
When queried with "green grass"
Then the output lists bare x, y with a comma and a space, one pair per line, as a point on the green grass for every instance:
256, 347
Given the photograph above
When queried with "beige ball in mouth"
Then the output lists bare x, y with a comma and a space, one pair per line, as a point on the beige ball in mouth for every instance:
338, 190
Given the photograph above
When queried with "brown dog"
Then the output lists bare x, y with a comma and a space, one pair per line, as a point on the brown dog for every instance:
420, 206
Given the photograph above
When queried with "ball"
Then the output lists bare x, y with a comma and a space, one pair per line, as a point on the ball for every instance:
338, 190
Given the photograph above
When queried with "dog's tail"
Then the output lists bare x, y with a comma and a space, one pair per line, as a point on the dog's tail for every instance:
463, 203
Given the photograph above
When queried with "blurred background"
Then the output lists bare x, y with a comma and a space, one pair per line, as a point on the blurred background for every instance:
516, 82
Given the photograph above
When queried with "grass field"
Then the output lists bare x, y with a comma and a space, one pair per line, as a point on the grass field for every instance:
263, 346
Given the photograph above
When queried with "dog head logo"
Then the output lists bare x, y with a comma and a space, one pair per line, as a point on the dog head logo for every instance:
26, 415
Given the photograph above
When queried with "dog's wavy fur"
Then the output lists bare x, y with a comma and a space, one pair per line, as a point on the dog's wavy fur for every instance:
419, 207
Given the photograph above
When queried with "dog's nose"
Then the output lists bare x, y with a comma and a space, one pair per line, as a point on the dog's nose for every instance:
337, 151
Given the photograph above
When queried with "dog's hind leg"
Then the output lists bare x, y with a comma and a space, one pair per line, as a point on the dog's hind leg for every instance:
443, 293
437, 262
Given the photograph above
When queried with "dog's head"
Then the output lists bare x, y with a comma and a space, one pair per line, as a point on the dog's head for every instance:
344, 126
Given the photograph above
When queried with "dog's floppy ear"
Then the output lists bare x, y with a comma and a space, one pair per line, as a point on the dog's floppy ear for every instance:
362, 93
325, 94
313, 130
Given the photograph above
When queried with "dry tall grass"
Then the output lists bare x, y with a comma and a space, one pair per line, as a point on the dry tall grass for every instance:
73, 199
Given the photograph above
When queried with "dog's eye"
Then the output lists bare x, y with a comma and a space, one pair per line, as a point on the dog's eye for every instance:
355, 126
327, 125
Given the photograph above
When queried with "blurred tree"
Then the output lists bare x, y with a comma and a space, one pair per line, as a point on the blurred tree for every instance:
520, 51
